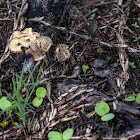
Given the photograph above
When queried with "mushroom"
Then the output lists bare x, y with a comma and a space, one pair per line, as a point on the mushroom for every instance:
44, 42
15, 34
24, 38
37, 55
15, 45
39, 47
27, 31
62, 52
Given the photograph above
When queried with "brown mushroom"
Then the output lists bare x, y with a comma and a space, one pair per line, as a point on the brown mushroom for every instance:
43, 42
15, 45
62, 52
38, 55
39, 47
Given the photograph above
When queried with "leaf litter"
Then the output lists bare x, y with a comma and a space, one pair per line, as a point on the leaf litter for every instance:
103, 41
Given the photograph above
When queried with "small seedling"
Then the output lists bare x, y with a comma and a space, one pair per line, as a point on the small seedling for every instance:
37, 101
132, 64
85, 68
66, 135
4, 103
4, 124
135, 25
137, 38
40, 94
92, 16
133, 98
102, 109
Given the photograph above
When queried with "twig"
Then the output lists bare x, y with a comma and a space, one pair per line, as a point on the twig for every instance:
5, 19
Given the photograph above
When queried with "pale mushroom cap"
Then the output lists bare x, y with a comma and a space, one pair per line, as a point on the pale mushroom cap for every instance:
15, 45
25, 41
37, 55
15, 34
27, 31
36, 34
62, 52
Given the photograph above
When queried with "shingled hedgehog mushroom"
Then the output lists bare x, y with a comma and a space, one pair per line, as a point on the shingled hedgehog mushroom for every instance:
39, 47
62, 52
22, 39
34, 44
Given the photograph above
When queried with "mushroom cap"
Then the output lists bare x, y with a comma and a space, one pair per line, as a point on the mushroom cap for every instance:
37, 55
62, 52
15, 34
15, 45
24, 38
27, 31
25, 41
43, 42
35, 47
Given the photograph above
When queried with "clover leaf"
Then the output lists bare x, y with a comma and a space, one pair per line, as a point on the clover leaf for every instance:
102, 108
37, 101
41, 92
4, 103
130, 98
67, 134
54, 135
108, 117
138, 99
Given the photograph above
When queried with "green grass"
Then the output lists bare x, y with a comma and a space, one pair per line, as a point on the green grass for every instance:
19, 83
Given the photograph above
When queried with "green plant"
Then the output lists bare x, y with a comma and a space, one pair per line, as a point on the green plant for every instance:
66, 135
92, 16
4, 124
135, 25
37, 101
102, 109
132, 64
133, 98
85, 68
22, 104
136, 38
5, 104
40, 94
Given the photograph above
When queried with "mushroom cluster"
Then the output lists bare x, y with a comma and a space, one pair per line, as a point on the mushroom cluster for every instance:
36, 45
33, 43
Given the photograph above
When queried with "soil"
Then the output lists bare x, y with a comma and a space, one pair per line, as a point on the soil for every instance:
102, 34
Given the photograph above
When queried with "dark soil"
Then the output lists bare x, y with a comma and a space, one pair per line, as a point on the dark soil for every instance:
106, 43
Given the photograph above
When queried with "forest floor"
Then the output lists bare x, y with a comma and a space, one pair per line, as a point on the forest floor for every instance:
104, 36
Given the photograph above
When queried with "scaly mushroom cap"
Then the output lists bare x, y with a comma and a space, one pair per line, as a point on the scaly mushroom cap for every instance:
15, 45
62, 52
35, 47
37, 55
43, 42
